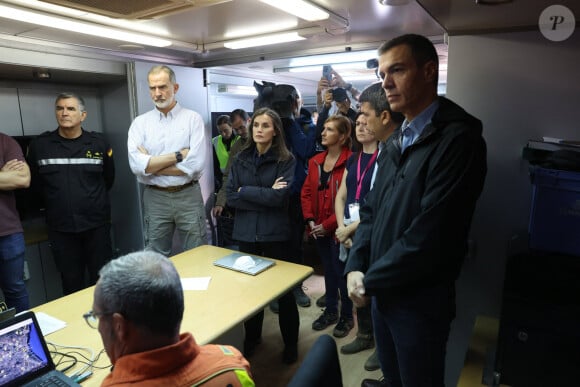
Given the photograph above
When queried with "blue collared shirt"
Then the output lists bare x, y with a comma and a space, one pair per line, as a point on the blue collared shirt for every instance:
382, 146
410, 131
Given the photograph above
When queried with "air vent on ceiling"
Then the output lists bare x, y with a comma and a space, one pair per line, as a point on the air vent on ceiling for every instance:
134, 9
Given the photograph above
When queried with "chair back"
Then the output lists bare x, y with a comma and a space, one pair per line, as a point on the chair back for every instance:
320, 367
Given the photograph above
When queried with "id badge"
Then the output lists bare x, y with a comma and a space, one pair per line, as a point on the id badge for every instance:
353, 211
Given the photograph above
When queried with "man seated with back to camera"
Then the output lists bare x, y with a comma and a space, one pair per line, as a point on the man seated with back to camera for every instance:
137, 308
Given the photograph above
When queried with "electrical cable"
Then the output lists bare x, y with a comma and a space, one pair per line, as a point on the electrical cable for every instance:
87, 362
61, 361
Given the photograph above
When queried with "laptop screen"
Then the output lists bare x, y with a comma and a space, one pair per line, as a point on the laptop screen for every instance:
23, 353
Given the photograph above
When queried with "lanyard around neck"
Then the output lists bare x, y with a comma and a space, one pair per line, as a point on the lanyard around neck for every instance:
359, 177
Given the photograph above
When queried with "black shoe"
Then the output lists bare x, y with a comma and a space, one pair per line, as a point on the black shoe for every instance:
290, 354
343, 327
321, 301
250, 347
325, 320
274, 307
357, 345
372, 363
301, 298
373, 383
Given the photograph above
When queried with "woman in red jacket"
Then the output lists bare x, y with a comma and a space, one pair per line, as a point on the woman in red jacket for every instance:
318, 193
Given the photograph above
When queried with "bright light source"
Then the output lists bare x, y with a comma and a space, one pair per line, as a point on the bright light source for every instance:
394, 2
371, 77
318, 68
300, 8
263, 40
81, 28
237, 89
262, 28
300, 69
333, 59
350, 66
353, 71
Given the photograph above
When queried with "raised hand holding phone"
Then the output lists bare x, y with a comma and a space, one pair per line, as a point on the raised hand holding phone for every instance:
327, 72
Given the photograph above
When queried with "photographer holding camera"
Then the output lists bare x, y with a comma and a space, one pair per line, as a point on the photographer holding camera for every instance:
331, 79
340, 98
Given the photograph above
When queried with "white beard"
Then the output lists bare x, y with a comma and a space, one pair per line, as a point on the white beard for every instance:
164, 104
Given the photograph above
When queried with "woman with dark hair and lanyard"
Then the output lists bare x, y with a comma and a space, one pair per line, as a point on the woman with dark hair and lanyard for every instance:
258, 188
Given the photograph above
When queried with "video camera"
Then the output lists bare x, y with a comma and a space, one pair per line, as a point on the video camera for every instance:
280, 98
339, 94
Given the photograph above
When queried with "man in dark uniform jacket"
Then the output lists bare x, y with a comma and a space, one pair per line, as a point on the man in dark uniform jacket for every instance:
73, 170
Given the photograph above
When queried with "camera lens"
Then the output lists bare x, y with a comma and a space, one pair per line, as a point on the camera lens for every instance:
372, 63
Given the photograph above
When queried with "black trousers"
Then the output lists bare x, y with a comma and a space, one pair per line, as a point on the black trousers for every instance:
295, 248
77, 252
289, 320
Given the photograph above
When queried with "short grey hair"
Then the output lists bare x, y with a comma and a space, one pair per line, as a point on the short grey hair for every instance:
166, 69
145, 288
68, 95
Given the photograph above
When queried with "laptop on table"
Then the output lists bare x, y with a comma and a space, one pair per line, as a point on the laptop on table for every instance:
24, 357
244, 263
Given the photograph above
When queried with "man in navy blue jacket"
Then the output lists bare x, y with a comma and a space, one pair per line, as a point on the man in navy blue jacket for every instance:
412, 239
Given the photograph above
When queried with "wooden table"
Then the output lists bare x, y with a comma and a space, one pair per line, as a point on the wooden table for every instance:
230, 299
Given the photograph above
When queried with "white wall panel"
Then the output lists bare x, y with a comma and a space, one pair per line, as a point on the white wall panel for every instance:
521, 86
38, 114
10, 124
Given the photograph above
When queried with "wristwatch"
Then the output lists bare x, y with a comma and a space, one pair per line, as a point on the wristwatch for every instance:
348, 86
178, 157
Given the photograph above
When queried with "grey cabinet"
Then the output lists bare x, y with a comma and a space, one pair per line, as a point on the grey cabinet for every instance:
52, 281
34, 277
10, 122
43, 280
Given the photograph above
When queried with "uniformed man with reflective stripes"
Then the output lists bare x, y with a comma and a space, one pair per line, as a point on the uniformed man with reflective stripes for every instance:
72, 172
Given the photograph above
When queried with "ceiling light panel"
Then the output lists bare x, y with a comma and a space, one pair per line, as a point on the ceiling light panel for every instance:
263, 40
344, 57
300, 8
81, 28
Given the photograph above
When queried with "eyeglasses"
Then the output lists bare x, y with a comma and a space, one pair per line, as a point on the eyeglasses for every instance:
92, 318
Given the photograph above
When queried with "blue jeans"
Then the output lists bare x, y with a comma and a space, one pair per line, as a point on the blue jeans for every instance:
411, 332
334, 280
12, 271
